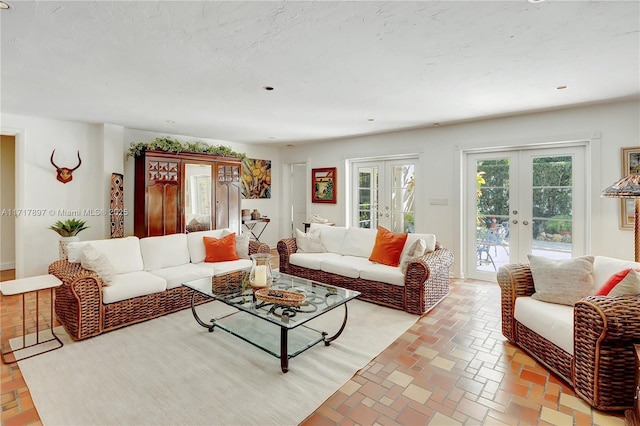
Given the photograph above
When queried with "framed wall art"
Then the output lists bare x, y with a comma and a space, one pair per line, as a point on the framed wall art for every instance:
630, 166
256, 178
323, 185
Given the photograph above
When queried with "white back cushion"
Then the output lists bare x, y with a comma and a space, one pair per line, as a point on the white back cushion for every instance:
123, 253
604, 267
196, 243
359, 242
331, 236
164, 252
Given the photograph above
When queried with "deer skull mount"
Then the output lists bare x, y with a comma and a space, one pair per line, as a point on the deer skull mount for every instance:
64, 174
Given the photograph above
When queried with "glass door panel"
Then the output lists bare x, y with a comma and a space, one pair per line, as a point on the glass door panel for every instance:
402, 198
367, 196
521, 202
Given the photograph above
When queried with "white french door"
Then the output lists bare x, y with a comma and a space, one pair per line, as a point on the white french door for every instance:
384, 194
523, 201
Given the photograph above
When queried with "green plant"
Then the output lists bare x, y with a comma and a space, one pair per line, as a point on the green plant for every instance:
172, 145
559, 223
69, 228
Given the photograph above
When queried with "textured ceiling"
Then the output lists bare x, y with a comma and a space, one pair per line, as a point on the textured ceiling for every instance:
337, 68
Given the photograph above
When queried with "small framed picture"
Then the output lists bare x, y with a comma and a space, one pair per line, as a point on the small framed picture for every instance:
323, 185
630, 166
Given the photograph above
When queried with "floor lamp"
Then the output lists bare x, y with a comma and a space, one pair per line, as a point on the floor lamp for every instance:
628, 187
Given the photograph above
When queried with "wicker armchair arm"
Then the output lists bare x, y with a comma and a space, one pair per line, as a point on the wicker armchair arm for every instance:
258, 247
286, 247
612, 318
73, 274
515, 280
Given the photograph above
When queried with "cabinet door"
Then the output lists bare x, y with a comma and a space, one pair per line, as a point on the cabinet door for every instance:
163, 196
228, 196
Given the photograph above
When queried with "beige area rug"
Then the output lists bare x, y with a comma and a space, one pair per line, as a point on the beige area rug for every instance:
172, 371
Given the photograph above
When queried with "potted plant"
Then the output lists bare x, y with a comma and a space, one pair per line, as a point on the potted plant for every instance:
68, 231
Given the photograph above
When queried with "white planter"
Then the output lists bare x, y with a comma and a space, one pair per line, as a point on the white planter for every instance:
64, 243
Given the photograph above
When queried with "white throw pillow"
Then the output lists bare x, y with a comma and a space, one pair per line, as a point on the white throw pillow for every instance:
562, 281
94, 260
629, 285
416, 249
242, 244
309, 242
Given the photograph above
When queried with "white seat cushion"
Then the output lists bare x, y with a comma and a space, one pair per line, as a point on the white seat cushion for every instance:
123, 253
196, 243
552, 321
359, 242
605, 267
311, 260
383, 273
176, 275
347, 266
132, 284
164, 252
221, 268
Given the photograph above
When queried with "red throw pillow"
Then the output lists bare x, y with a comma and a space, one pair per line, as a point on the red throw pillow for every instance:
612, 282
220, 250
388, 247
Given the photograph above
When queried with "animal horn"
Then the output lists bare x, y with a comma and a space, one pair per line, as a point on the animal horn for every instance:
79, 161
54, 164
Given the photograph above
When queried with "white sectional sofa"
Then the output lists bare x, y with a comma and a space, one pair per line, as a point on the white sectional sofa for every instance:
589, 344
345, 263
144, 279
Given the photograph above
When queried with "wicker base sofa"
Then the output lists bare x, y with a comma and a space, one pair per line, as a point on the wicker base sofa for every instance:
146, 283
344, 263
589, 345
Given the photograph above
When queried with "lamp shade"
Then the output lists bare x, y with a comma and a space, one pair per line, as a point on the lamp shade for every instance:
627, 187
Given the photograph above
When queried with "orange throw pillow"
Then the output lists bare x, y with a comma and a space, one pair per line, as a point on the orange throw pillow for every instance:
220, 250
388, 247
613, 281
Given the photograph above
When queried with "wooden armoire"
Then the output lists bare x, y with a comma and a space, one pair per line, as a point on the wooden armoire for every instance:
185, 192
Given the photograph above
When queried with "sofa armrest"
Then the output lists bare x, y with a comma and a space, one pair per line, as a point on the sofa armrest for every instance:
515, 280
427, 280
78, 301
258, 247
605, 330
286, 247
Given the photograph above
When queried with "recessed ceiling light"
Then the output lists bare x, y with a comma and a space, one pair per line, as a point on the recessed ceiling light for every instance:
170, 121
436, 124
536, 1
370, 119
268, 88
4, 5
289, 145
561, 87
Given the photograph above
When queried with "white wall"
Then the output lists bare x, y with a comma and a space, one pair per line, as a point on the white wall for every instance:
103, 148
609, 127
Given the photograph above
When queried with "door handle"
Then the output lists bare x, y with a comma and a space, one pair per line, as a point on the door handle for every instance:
514, 221
524, 222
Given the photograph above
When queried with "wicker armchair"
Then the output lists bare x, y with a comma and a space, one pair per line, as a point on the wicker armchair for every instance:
79, 306
426, 281
605, 330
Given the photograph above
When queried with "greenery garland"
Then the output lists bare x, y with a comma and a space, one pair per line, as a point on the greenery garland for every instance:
172, 145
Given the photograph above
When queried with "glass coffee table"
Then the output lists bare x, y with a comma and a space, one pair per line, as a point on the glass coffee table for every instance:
259, 315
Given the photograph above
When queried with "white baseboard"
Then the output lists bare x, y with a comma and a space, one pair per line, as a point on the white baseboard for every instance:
7, 265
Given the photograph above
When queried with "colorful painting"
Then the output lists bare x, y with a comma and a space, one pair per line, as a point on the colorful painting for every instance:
630, 166
256, 178
323, 185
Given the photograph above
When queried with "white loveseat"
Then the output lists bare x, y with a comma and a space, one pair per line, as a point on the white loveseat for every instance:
346, 264
147, 277
589, 345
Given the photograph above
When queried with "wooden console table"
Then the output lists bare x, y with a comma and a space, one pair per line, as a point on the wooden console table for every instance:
261, 226
22, 286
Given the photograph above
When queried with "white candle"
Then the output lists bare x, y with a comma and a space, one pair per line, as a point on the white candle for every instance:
260, 279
